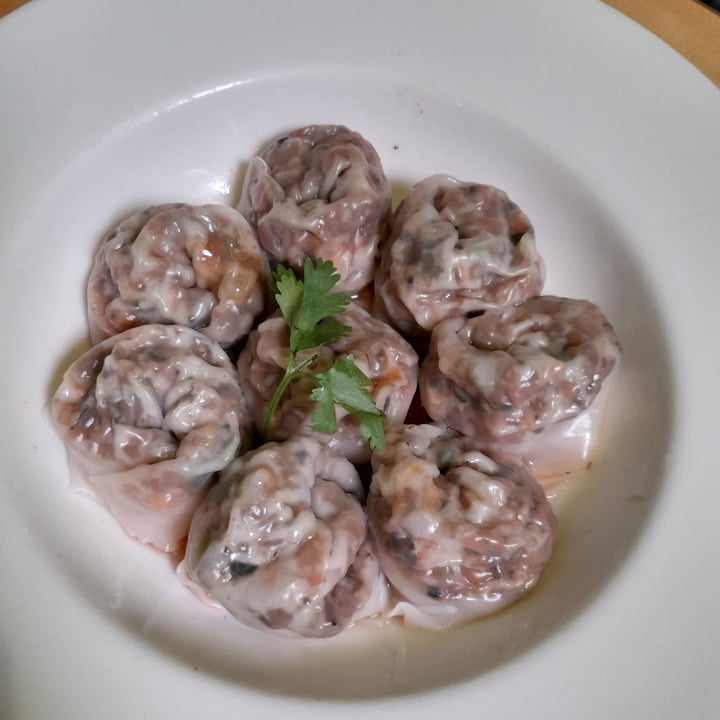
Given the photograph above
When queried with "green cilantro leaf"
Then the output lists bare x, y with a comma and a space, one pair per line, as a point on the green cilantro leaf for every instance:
372, 429
326, 332
306, 303
319, 303
288, 292
344, 384
323, 416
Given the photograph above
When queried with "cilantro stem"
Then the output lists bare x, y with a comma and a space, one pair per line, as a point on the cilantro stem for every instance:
292, 372
275, 400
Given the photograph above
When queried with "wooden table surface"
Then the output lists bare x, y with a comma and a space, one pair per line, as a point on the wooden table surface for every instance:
688, 26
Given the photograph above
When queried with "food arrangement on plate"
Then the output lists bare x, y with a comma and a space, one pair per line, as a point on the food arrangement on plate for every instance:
336, 412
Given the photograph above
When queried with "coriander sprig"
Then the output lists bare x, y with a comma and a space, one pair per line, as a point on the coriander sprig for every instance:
309, 308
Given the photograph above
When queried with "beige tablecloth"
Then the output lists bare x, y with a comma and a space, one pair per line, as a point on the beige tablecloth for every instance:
686, 25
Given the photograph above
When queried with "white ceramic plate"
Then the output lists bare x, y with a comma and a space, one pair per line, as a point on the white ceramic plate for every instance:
605, 137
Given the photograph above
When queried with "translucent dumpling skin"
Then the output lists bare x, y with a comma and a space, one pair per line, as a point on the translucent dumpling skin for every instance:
518, 369
194, 265
281, 542
319, 192
455, 248
148, 416
457, 534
